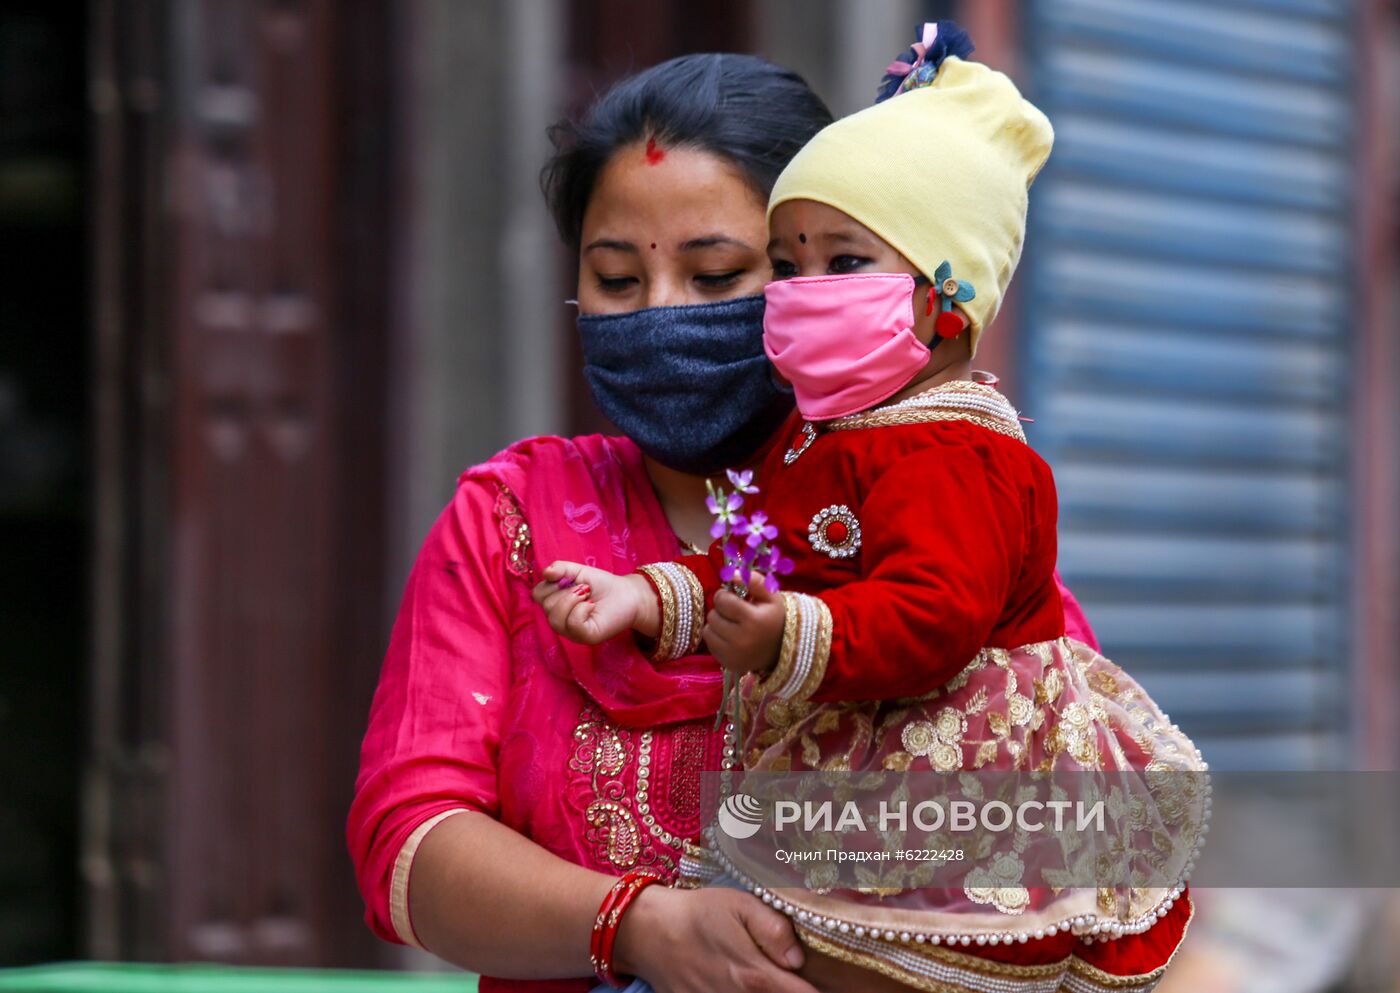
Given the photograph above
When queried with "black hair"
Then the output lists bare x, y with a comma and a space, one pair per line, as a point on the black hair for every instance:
745, 109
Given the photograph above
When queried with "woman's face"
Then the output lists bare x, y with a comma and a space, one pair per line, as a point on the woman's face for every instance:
670, 226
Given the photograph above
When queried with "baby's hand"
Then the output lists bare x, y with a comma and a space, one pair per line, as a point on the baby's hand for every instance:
590, 605
744, 635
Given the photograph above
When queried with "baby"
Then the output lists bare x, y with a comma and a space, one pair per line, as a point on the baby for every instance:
921, 627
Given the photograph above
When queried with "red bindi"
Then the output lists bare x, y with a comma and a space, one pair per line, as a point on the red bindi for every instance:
654, 153
802, 238
653, 244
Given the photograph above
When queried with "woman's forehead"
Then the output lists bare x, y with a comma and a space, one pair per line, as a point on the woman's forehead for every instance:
684, 196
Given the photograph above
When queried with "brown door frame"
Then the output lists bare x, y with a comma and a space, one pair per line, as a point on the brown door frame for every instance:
241, 241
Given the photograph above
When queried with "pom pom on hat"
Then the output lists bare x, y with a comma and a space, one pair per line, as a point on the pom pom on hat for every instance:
919, 64
940, 174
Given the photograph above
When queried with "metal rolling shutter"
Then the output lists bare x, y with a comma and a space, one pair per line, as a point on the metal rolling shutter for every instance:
1185, 306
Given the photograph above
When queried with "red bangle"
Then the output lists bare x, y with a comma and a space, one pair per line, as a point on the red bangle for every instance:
610, 929
605, 925
595, 941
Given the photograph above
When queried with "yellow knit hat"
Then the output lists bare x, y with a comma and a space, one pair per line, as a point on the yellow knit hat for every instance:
940, 172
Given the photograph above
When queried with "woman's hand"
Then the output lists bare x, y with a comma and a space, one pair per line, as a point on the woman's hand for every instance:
744, 635
590, 605
701, 941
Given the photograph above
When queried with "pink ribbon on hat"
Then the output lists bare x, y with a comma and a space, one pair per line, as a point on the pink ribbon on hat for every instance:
897, 68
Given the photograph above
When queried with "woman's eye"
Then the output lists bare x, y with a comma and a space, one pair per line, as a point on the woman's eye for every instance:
783, 269
616, 284
846, 263
718, 280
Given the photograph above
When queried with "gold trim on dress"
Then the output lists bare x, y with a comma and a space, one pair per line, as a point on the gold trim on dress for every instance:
960, 400
951, 972
937, 969
1088, 978
403, 870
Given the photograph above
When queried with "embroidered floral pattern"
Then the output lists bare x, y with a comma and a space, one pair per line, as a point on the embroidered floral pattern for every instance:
650, 823
1000, 884
516, 532
603, 751
1039, 707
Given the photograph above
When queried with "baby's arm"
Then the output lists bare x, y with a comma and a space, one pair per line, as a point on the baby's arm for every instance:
945, 533
590, 605
670, 604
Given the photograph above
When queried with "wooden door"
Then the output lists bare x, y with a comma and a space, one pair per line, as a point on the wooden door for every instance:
240, 305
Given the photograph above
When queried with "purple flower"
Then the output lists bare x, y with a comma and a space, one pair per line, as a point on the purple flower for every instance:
775, 564
725, 512
743, 481
731, 563
738, 563
759, 530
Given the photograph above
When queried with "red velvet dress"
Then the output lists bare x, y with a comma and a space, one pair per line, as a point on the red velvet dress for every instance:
924, 540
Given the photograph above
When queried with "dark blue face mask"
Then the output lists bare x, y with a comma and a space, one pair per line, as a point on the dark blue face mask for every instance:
690, 385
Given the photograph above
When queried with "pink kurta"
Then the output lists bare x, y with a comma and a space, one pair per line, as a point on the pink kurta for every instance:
593, 753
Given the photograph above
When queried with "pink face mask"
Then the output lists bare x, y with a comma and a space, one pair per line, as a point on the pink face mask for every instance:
844, 342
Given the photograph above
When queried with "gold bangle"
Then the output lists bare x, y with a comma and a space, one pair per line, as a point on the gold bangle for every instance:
666, 640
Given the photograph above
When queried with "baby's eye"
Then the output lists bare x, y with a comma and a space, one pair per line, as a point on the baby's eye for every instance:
782, 269
846, 263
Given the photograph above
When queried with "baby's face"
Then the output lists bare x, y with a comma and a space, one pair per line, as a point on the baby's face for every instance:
812, 239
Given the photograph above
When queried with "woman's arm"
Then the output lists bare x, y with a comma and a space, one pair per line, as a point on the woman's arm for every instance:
491, 900
431, 747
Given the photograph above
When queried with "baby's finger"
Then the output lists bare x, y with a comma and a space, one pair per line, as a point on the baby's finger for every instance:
729, 605
578, 621
562, 569
564, 604
724, 627
548, 594
545, 593
758, 591
716, 641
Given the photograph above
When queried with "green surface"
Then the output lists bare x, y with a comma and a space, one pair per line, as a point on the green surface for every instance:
104, 977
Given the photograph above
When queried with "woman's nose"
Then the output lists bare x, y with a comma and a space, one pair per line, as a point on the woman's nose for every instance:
666, 293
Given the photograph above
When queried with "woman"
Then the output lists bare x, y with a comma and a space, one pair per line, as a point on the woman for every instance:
586, 761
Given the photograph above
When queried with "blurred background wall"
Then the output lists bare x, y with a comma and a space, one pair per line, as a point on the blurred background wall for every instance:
277, 270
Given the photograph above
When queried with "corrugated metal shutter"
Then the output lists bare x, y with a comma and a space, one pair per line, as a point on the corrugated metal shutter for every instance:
1186, 299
